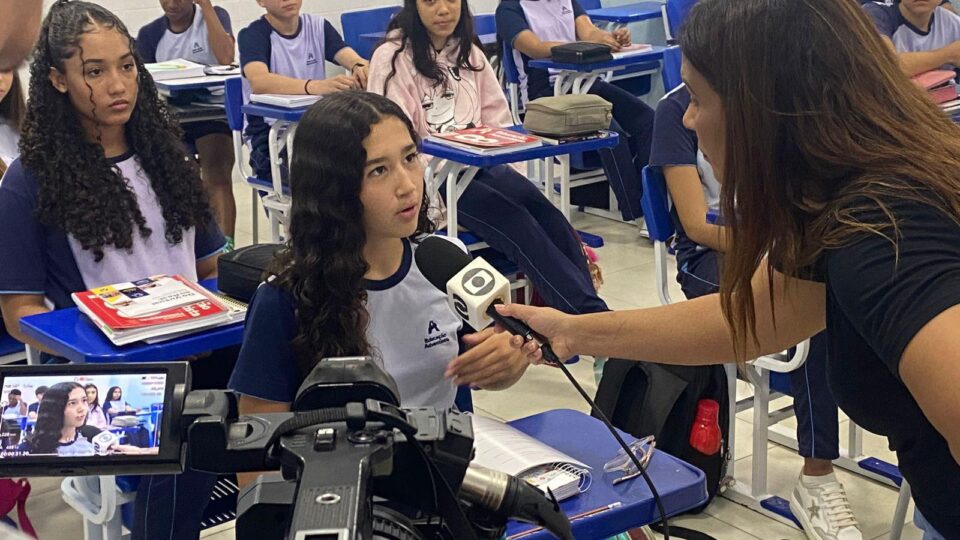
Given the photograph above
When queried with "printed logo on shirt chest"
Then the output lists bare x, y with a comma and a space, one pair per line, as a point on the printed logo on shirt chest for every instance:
311, 59
565, 10
197, 48
434, 336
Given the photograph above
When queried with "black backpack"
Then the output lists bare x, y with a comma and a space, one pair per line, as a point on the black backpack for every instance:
643, 398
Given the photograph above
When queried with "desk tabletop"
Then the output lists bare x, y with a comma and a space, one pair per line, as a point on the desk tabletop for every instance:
288, 114
655, 53
443, 151
71, 334
209, 82
681, 485
628, 13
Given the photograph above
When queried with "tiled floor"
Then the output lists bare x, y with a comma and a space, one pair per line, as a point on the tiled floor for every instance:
627, 262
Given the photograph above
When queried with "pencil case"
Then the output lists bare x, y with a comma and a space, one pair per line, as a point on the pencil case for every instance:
568, 115
581, 52
241, 271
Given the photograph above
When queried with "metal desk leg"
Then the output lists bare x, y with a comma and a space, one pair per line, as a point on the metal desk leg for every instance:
564, 185
546, 166
33, 356
274, 147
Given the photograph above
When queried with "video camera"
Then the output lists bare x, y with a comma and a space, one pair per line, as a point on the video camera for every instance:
353, 464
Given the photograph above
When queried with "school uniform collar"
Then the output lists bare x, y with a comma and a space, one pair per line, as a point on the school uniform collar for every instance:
389, 282
294, 35
193, 17
914, 29
122, 157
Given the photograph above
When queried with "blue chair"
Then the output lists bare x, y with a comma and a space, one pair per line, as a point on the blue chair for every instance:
587, 5
11, 350
366, 21
674, 13
485, 24
671, 69
276, 207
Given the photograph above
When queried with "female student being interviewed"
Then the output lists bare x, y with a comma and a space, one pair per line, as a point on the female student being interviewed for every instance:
103, 192
841, 214
430, 66
347, 283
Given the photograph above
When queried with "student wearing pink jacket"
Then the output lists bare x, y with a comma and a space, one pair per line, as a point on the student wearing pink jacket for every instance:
430, 65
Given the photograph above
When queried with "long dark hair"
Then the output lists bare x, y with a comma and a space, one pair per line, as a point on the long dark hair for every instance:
80, 191
96, 401
46, 436
815, 135
322, 264
13, 107
413, 35
110, 393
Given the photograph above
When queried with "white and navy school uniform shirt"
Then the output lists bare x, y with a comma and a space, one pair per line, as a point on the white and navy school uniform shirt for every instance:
944, 29
157, 43
412, 329
674, 144
9, 139
42, 259
550, 20
300, 56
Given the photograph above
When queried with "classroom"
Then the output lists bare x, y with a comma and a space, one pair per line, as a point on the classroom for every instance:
705, 281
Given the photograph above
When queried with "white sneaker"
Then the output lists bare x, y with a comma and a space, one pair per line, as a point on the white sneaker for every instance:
821, 505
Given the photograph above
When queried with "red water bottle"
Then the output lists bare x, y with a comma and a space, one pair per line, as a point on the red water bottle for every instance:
705, 435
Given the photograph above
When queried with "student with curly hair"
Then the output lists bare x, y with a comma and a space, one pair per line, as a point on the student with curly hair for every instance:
104, 192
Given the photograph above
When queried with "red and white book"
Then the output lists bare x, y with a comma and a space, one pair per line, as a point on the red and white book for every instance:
940, 84
488, 141
202, 310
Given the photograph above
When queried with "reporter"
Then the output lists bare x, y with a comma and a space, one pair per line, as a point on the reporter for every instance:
846, 218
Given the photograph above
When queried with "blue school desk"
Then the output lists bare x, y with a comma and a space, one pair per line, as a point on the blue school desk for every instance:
578, 78
681, 486
176, 87
458, 168
620, 16
73, 336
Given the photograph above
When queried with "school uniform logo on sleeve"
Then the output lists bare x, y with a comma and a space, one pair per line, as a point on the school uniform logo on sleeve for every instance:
197, 48
311, 59
434, 336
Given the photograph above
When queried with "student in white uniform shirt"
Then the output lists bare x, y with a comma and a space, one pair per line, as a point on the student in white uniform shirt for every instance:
347, 283
12, 109
200, 32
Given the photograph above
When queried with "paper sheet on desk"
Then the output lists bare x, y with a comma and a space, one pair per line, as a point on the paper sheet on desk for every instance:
505, 448
630, 50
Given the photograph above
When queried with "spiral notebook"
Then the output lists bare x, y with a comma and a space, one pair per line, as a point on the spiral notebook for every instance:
504, 448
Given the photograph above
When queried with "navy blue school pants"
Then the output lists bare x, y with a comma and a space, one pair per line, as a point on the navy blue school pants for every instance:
172, 506
511, 214
818, 431
633, 121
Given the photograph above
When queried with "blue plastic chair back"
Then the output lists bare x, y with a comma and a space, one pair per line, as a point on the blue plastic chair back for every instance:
485, 24
655, 204
511, 75
366, 21
233, 103
587, 5
677, 11
671, 68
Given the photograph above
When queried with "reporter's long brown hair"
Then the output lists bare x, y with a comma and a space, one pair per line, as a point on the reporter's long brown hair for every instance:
821, 124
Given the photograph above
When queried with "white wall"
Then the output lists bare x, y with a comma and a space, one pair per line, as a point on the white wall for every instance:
136, 13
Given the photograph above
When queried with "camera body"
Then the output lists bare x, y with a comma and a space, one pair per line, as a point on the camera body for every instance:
352, 464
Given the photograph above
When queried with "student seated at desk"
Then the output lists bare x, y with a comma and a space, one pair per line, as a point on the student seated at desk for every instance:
199, 32
104, 192
34, 407
11, 116
114, 405
283, 52
532, 27
924, 35
456, 88
97, 417
699, 247
347, 283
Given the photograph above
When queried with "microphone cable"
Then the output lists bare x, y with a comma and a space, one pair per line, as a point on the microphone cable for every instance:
664, 524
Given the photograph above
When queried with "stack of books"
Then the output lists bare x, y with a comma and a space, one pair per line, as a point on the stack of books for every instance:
941, 86
156, 309
175, 69
487, 141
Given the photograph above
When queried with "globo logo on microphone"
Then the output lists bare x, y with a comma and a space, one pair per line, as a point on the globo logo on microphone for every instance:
478, 282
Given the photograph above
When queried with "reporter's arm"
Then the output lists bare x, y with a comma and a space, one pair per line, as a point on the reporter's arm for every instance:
932, 357
664, 334
249, 405
18, 306
686, 191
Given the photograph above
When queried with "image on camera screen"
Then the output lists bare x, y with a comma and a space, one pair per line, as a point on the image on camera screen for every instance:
81, 415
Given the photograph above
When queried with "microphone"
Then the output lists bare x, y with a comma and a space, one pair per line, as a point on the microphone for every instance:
474, 288
103, 441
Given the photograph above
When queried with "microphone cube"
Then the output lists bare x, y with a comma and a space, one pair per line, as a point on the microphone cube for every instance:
474, 289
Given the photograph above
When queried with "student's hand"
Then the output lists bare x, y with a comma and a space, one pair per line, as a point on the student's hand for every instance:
203, 3
606, 38
361, 73
493, 361
622, 35
548, 322
333, 84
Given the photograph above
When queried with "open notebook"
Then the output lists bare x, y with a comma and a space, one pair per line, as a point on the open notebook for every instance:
507, 449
